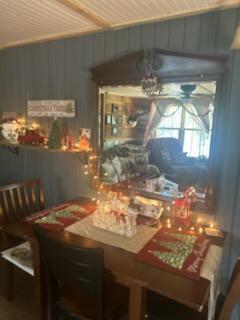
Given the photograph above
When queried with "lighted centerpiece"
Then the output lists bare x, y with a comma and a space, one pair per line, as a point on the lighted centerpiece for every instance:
115, 216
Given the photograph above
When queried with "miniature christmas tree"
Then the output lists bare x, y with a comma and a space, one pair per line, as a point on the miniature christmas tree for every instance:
55, 137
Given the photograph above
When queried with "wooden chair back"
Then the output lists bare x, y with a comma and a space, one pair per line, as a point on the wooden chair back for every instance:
233, 294
74, 267
19, 200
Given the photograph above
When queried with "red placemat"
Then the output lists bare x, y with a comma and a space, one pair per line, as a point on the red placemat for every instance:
62, 216
179, 252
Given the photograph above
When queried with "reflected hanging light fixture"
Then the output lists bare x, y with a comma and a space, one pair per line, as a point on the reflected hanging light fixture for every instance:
148, 65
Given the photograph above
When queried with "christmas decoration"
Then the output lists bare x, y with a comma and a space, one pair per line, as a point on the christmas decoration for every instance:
55, 137
69, 141
115, 216
31, 137
84, 139
11, 129
148, 207
179, 252
58, 218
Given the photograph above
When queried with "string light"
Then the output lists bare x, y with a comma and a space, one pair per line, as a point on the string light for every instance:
168, 223
101, 189
34, 125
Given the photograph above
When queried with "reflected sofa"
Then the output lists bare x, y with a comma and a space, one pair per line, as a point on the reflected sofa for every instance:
167, 155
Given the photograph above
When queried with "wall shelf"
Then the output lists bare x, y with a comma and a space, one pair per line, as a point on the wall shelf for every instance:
14, 148
38, 148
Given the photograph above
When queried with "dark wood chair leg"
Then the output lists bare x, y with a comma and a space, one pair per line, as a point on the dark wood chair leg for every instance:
9, 282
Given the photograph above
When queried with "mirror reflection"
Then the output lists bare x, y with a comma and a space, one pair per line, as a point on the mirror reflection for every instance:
166, 136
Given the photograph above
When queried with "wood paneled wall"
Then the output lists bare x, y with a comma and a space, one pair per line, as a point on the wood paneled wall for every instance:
59, 70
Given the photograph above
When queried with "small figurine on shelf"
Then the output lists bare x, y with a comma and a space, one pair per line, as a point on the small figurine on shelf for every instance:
55, 137
69, 140
84, 139
11, 129
31, 137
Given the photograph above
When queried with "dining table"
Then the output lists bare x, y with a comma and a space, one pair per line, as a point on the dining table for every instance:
124, 269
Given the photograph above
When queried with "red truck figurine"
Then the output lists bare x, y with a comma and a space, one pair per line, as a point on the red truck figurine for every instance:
31, 137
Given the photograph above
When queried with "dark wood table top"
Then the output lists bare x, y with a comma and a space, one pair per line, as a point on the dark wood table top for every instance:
125, 268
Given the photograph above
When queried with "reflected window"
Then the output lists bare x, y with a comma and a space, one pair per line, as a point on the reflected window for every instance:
193, 128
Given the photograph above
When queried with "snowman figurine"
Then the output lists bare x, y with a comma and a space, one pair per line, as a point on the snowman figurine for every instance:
11, 129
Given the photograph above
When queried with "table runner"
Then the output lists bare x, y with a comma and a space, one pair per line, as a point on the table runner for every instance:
59, 217
86, 228
211, 271
176, 251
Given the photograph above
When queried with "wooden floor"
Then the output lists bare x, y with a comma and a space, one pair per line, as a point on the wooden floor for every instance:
22, 306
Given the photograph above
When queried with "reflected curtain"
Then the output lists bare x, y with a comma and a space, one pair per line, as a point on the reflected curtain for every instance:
159, 108
201, 108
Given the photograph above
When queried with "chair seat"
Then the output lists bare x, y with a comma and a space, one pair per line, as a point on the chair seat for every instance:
115, 302
20, 256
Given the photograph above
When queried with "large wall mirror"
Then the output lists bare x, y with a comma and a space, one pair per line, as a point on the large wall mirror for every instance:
166, 135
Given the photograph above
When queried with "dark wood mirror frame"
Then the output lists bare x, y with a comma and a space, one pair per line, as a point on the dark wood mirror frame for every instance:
176, 67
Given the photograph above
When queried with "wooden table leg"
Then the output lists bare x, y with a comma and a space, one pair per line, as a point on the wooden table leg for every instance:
137, 297
39, 282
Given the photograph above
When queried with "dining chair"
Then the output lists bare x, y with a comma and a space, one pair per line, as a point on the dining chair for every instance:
165, 309
17, 201
77, 285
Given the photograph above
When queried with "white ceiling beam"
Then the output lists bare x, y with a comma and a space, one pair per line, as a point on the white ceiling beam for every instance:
84, 11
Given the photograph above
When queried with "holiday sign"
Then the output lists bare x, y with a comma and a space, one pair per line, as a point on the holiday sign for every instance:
51, 108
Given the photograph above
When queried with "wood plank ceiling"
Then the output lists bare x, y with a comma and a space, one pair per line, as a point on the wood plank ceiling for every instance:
28, 21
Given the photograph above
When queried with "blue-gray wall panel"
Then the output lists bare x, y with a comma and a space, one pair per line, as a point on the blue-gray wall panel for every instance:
60, 69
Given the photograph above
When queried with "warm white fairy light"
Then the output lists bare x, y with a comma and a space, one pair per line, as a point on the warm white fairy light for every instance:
168, 223
200, 230
34, 125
